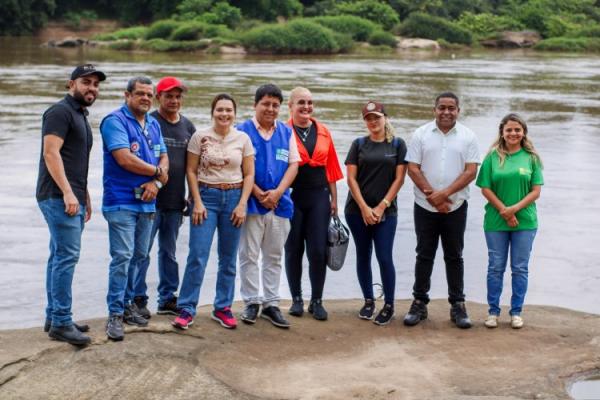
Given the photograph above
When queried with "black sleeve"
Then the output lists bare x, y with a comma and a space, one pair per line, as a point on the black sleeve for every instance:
191, 127
56, 121
352, 157
401, 152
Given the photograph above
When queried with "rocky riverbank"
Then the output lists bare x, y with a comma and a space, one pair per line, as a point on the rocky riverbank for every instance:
343, 358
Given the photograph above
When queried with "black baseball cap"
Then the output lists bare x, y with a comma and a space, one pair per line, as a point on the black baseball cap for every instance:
85, 70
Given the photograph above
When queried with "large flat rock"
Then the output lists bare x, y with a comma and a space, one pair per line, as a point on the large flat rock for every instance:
343, 358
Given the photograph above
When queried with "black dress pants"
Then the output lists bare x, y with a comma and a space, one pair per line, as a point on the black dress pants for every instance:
430, 227
312, 209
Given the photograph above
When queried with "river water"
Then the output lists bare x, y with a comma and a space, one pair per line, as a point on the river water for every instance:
558, 94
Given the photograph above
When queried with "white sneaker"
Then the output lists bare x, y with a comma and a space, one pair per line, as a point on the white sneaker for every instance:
491, 321
516, 322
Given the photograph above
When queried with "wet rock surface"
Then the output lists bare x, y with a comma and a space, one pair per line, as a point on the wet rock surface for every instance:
339, 359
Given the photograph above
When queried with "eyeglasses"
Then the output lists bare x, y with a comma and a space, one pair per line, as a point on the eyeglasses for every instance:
138, 93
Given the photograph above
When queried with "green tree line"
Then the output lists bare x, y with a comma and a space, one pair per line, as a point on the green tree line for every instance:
454, 21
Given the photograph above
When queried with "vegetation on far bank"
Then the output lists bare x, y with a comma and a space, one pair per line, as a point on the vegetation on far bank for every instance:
314, 26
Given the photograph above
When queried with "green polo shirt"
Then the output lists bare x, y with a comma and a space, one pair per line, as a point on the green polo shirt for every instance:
510, 183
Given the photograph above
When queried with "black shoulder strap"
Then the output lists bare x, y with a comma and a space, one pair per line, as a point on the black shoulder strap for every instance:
361, 142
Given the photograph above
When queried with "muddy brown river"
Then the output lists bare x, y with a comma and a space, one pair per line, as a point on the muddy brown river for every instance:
559, 95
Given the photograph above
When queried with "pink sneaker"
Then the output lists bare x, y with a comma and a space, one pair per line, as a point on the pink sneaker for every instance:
224, 317
183, 320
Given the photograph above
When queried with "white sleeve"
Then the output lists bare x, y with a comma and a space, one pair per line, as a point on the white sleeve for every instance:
414, 154
473, 150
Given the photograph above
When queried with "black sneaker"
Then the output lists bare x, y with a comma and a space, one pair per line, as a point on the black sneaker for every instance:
368, 310
385, 315
250, 313
274, 315
114, 327
80, 328
458, 315
416, 314
132, 317
169, 308
317, 310
297, 308
69, 334
141, 305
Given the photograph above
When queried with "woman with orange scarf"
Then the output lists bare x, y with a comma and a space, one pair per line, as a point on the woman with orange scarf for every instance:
315, 199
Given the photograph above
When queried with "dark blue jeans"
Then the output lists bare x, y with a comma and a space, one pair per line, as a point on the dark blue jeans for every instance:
312, 209
166, 225
382, 236
430, 227
65, 244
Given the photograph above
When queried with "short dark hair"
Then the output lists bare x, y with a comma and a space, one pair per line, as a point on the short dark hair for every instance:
222, 96
143, 80
447, 95
268, 90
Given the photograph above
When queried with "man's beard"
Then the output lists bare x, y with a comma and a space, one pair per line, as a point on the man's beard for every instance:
79, 97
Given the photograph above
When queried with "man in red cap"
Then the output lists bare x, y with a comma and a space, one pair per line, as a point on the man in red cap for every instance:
170, 202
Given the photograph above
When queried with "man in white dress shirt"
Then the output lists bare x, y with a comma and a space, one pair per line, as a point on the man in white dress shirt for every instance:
443, 157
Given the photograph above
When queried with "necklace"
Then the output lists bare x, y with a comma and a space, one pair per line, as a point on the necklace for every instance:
303, 132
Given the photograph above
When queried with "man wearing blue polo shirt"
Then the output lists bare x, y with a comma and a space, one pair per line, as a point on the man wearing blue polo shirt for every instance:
135, 169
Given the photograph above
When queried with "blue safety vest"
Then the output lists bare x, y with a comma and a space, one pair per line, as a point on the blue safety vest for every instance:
271, 163
119, 183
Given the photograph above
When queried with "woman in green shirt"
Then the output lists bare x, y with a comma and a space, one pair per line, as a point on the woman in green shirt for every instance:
510, 179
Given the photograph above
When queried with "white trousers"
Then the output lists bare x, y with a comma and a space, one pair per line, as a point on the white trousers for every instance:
264, 234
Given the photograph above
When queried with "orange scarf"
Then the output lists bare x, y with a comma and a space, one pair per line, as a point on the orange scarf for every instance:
324, 154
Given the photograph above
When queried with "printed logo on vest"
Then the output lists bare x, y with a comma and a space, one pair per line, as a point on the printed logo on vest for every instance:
282, 155
135, 147
157, 150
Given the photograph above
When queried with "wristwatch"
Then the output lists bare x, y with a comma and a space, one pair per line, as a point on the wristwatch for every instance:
386, 202
158, 184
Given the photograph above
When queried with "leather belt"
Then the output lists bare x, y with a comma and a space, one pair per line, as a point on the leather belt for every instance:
222, 186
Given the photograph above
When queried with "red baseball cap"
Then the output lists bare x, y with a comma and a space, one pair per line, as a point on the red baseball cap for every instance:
372, 107
169, 82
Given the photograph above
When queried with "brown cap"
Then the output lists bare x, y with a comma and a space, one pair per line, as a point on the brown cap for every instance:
372, 107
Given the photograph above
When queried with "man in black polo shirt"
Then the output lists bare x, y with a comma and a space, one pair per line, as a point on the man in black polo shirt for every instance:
63, 197
170, 202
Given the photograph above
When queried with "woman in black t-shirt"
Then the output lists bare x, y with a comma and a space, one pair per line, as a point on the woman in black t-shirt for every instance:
375, 169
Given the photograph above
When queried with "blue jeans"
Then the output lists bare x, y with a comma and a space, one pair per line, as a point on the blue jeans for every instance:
129, 237
166, 224
65, 244
498, 243
382, 236
219, 205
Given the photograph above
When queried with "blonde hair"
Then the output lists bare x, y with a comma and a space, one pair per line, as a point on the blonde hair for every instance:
500, 147
389, 130
295, 92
